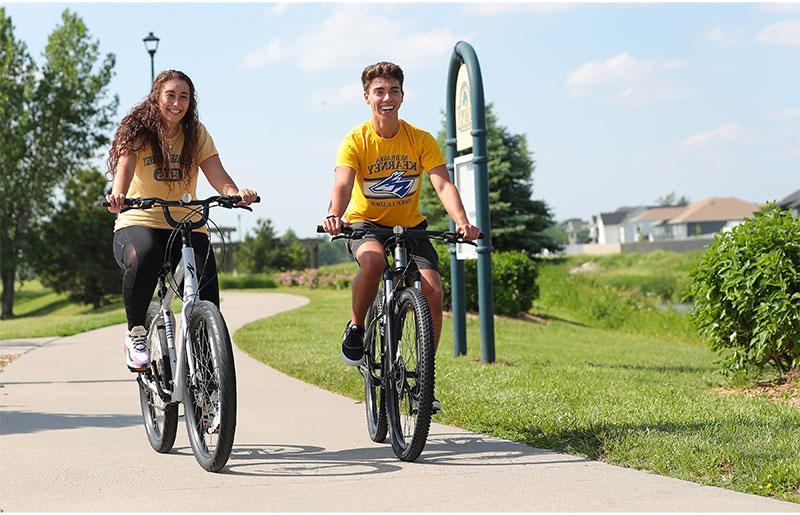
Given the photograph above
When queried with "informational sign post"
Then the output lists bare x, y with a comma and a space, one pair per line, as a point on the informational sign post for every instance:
466, 130
464, 172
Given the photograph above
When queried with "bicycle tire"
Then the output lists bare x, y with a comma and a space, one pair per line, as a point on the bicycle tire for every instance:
160, 418
409, 389
210, 397
374, 395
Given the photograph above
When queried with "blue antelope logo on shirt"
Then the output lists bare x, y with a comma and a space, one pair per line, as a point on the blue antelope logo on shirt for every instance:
397, 185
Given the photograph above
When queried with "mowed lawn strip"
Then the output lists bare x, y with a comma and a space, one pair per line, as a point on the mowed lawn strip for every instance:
640, 401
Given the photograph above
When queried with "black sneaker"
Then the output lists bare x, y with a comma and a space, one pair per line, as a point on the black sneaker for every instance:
436, 406
353, 345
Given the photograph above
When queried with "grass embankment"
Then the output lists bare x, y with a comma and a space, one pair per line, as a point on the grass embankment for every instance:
39, 311
638, 395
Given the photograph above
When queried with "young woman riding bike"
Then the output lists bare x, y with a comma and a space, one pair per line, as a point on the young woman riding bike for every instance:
156, 152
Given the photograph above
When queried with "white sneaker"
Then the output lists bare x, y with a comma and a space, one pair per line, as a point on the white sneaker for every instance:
137, 356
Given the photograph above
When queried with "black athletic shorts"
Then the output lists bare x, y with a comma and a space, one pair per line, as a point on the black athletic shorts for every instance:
420, 249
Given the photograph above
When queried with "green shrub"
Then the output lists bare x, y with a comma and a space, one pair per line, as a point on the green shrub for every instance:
747, 292
245, 281
513, 276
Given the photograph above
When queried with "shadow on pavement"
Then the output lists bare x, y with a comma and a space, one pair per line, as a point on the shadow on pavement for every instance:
289, 460
19, 422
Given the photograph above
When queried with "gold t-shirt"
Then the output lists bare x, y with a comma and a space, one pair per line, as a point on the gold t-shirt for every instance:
386, 189
150, 181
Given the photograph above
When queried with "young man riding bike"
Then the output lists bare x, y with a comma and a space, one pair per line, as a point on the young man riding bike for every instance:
379, 167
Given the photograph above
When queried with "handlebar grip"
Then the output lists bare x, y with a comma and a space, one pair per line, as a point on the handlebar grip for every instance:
320, 229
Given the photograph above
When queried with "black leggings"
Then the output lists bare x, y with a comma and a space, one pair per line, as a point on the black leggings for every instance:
139, 251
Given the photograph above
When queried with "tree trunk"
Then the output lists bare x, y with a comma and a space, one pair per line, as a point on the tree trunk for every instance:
8, 277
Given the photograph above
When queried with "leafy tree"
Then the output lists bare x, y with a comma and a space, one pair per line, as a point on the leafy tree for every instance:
59, 116
518, 221
746, 291
75, 254
668, 200
265, 251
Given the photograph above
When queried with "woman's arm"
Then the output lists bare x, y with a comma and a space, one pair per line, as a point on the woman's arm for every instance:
222, 182
123, 176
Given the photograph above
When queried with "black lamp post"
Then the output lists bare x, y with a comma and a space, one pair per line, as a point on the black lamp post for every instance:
151, 45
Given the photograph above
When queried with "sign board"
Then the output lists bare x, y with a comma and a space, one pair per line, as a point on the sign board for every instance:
464, 174
463, 110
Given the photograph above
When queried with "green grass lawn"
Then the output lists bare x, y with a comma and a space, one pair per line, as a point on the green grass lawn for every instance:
39, 311
640, 400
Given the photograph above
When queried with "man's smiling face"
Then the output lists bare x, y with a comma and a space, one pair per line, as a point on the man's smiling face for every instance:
384, 96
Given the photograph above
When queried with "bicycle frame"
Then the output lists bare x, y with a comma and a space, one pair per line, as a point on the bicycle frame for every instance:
396, 270
178, 346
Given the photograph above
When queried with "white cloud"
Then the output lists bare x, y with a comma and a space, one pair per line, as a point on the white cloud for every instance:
339, 41
785, 33
786, 114
727, 133
625, 79
720, 37
272, 53
493, 9
276, 9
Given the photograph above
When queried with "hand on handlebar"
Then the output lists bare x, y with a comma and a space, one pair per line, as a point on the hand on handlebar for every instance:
248, 196
468, 231
333, 225
116, 201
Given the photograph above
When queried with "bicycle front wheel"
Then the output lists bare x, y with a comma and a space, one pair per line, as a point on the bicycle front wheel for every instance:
409, 388
374, 391
160, 418
210, 392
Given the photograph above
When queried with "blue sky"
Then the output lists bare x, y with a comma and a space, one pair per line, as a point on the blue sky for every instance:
620, 103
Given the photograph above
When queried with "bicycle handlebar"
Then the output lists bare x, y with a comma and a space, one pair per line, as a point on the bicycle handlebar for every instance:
445, 236
228, 201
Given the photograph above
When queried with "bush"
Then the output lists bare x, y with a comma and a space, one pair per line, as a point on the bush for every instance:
245, 281
513, 276
747, 292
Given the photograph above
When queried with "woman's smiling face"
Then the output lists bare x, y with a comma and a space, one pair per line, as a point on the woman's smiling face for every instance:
173, 102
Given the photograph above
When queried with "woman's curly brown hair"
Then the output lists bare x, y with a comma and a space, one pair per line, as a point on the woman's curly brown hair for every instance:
142, 127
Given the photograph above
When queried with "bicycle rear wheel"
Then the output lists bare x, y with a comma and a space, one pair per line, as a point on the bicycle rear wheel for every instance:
374, 391
160, 418
210, 394
409, 388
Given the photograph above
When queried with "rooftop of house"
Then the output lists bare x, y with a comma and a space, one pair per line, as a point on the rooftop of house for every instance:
658, 214
791, 201
715, 209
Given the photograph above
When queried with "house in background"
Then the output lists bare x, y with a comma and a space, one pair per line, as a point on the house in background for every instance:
791, 203
704, 218
644, 224
612, 227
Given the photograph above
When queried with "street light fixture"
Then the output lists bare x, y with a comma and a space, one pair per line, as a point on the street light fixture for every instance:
151, 45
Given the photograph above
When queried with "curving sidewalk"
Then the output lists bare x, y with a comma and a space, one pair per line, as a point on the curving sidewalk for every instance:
71, 439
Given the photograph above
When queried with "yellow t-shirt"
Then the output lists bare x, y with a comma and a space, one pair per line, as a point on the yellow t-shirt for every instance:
388, 173
150, 181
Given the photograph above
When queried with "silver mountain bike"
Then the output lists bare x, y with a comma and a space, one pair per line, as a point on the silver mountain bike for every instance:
194, 365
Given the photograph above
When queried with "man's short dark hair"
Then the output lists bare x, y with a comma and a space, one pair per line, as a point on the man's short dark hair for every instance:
384, 70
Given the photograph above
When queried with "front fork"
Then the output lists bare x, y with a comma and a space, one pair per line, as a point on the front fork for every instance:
390, 322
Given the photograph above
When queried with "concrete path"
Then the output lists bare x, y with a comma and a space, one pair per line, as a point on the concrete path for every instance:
71, 439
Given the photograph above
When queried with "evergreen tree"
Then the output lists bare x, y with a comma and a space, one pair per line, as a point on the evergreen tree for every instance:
518, 221
265, 251
74, 254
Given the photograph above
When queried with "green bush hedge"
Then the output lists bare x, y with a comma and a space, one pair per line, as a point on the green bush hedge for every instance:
747, 292
514, 281
245, 281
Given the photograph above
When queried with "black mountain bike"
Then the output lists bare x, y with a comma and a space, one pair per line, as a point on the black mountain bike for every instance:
399, 369
195, 368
